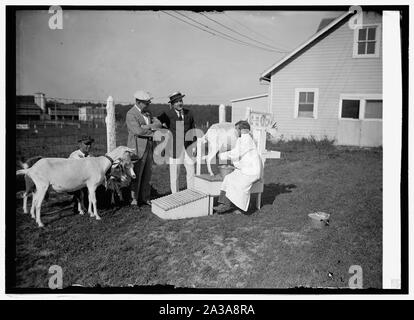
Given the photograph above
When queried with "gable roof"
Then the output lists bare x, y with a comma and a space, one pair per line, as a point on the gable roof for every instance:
326, 26
324, 22
250, 97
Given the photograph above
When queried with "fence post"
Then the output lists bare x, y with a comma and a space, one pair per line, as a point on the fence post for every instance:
222, 113
247, 114
110, 124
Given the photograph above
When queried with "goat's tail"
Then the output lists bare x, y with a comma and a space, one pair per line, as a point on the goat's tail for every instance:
21, 171
203, 139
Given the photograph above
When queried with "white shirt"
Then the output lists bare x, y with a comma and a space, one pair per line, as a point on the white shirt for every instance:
147, 120
180, 113
245, 156
77, 154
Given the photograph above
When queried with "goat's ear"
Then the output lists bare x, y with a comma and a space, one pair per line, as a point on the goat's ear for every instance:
116, 163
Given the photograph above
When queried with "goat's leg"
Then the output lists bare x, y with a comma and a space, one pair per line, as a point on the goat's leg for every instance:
90, 211
92, 203
29, 189
25, 196
81, 203
121, 198
32, 208
211, 155
41, 192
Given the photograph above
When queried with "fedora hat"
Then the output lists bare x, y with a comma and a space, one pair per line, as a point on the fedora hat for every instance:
86, 139
143, 96
175, 96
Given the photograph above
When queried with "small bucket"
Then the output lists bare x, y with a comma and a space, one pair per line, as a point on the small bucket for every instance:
319, 219
225, 170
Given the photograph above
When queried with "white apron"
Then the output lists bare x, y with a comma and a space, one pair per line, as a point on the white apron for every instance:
249, 168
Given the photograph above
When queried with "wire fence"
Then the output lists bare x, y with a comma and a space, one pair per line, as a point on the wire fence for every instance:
60, 139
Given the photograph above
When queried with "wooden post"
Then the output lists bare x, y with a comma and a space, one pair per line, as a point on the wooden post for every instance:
247, 115
222, 113
55, 115
110, 124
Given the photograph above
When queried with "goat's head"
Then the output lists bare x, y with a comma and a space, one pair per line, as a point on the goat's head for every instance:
120, 174
126, 165
122, 157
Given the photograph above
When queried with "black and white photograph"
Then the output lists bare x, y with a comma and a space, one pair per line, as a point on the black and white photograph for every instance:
206, 149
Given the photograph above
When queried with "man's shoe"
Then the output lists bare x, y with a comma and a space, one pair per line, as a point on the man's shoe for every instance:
221, 208
147, 202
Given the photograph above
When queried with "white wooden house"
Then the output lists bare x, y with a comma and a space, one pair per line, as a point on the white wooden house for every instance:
331, 85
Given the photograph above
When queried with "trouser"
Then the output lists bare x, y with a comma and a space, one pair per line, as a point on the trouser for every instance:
80, 197
175, 166
140, 186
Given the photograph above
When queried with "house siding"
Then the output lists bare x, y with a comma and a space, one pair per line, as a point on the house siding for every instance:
329, 66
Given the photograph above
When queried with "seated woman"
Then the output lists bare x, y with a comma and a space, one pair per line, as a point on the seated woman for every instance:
236, 186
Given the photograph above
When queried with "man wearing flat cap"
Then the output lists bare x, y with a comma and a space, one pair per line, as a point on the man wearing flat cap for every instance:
85, 144
176, 119
141, 126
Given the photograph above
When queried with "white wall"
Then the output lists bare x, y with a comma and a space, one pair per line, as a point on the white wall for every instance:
238, 108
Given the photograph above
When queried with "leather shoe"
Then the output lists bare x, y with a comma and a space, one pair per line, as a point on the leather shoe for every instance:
221, 208
147, 202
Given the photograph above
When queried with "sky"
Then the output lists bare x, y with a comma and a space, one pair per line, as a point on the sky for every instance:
115, 53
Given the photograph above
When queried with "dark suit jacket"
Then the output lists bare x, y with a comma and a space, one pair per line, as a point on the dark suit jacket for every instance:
138, 135
170, 119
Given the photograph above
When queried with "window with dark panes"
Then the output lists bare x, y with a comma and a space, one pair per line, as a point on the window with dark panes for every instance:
350, 109
306, 104
373, 109
366, 40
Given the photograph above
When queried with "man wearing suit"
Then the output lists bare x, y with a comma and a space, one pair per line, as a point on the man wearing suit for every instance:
179, 119
141, 126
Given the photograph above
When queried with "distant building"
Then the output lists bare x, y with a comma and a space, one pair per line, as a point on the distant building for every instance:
88, 113
40, 100
27, 109
60, 111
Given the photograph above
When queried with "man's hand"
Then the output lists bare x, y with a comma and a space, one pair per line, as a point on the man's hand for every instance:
223, 156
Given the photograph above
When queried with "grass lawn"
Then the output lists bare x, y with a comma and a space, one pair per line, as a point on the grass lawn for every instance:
275, 247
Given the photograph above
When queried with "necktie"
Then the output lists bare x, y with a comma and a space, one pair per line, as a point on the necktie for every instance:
180, 115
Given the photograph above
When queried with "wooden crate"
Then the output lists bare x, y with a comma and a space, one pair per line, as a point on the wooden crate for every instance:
184, 204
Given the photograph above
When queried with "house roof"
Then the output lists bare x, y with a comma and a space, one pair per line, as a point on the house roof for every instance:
323, 28
324, 22
251, 97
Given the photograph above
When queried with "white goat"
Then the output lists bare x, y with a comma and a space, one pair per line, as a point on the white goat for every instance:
220, 137
66, 175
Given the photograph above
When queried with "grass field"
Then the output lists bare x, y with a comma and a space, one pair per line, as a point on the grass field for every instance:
275, 247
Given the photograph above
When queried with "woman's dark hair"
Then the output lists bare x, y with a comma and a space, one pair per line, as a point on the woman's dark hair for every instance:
243, 125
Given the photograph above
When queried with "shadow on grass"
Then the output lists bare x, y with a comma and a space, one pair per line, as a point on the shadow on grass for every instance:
272, 190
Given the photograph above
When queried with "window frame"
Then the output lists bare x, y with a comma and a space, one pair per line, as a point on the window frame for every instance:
378, 37
315, 102
362, 103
